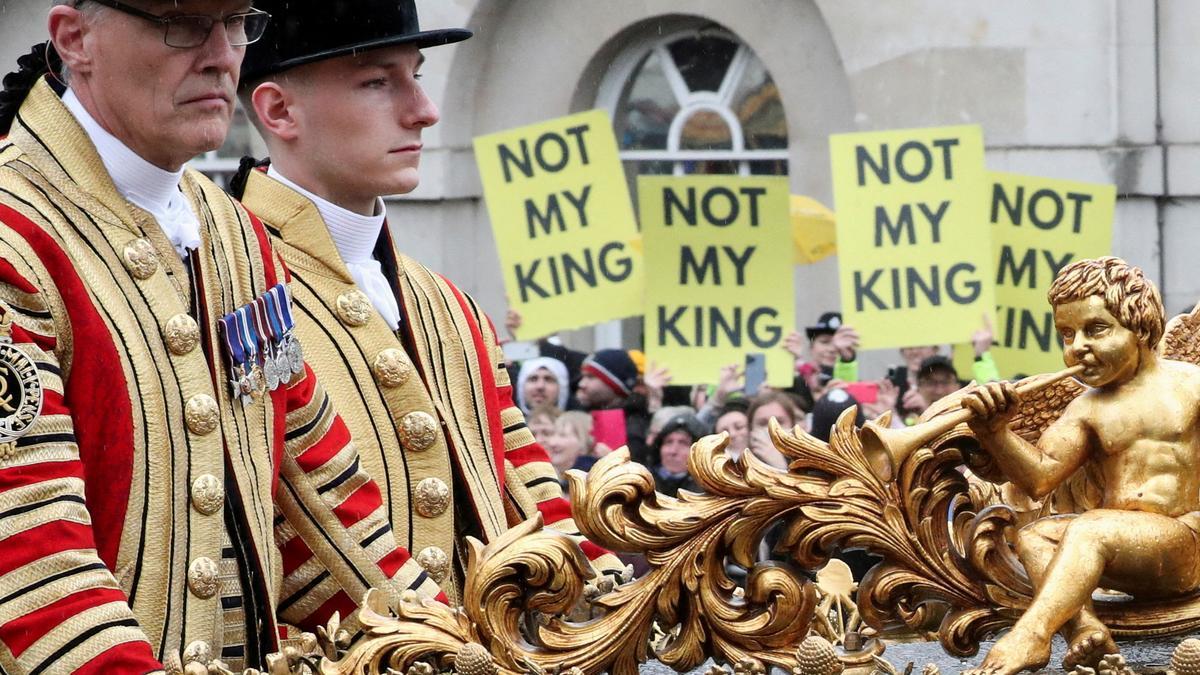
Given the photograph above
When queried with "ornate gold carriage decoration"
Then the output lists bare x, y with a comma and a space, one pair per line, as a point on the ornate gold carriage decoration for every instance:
942, 525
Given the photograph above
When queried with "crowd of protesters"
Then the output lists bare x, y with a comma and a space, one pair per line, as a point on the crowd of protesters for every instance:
582, 406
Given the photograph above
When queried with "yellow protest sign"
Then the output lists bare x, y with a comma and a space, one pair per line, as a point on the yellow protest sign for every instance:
1039, 225
718, 274
563, 222
912, 239
814, 232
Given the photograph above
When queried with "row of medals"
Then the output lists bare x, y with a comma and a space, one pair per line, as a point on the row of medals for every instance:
280, 363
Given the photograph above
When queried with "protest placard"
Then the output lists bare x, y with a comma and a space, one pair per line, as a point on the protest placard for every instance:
718, 274
912, 235
1039, 225
563, 221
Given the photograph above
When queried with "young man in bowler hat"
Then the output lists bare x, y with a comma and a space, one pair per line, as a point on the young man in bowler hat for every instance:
151, 516
338, 101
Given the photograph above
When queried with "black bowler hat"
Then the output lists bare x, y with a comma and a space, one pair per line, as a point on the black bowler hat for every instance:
304, 31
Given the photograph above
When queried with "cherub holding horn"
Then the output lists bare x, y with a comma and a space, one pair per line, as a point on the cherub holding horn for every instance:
1138, 423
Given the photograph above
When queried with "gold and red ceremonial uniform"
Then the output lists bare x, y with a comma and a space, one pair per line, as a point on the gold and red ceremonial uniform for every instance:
145, 511
442, 371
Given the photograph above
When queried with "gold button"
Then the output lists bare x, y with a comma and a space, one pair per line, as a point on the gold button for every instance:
198, 652
432, 497
354, 308
183, 334
202, 577
392, 368
140, 258
201, 414
418, 431
208, 495
435, 562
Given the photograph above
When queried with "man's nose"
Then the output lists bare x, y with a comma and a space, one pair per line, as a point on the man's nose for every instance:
219, 52
424, 112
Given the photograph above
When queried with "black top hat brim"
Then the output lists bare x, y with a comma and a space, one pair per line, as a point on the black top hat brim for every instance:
813, 332
422, 39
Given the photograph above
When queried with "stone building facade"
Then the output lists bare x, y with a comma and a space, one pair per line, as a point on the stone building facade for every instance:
1091, 90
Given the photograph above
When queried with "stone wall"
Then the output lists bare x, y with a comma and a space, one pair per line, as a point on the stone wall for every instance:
1093, 90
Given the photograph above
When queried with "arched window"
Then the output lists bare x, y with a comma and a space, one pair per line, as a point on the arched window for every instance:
696, 101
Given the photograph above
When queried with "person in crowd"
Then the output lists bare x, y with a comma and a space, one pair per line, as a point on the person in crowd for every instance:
673, 446
767, 405
832, 351
541, 422
164, 501
607, 382
570, 444
660, 418
936, 378
829, 408
542, 381
983, 369
732, 419
412, 359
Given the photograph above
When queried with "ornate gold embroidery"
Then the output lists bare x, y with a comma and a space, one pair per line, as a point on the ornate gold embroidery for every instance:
354, 308
418, 431
391, 367
201, 414
432, 497
182, 333
140, 258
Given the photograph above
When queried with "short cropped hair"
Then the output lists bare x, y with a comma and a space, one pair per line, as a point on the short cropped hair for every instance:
1128, 295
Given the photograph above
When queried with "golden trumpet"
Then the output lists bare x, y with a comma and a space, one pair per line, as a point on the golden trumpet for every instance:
888, 448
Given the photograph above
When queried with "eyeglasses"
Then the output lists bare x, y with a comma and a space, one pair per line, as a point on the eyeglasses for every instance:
185, 31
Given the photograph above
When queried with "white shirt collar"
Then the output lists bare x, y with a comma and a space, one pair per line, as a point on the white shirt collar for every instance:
354, 235
145, 185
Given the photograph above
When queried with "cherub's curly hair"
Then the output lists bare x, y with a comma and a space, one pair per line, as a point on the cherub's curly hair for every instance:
1128, 295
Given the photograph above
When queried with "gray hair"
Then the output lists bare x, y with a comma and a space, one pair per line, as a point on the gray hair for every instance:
92, 10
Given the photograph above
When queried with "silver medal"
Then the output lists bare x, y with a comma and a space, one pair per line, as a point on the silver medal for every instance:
270, 371
283, 365
295, 355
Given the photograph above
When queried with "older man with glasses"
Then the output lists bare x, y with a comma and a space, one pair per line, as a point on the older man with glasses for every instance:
161, 501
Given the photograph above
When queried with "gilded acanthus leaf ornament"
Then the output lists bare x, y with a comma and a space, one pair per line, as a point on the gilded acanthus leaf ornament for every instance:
686, 542
946, 535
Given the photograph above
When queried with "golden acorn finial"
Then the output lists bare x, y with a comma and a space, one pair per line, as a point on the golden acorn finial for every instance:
816, 656
1186, 659
474, 659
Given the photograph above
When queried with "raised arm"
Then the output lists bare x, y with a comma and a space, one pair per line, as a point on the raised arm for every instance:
1036, 469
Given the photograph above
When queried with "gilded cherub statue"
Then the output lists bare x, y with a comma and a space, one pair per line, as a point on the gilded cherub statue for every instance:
1138, 423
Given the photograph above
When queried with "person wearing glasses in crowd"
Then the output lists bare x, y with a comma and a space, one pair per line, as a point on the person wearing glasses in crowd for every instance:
163, 503
338, 102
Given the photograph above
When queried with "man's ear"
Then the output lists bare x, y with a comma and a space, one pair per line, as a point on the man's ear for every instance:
67, 31
273, 105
